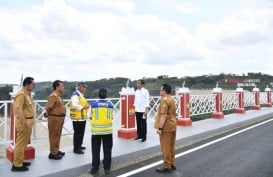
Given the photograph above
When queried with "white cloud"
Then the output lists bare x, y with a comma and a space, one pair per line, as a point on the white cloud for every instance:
240, 42
123, 6
249, 26
158, 2
57, 40
57, 37
187, 8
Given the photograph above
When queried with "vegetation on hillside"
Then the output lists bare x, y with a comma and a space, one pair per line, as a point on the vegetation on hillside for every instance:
4, 92
114, 85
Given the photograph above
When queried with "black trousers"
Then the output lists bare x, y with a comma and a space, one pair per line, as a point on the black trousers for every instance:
79, 129
141, 125
107, 141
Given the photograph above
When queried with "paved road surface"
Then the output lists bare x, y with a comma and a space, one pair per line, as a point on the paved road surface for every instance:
247, 154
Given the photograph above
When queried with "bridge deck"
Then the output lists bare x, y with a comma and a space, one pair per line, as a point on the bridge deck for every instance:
126, 151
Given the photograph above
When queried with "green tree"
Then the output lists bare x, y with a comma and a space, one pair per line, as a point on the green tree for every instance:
4, 92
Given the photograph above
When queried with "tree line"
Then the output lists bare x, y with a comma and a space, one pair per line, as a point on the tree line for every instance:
114, 85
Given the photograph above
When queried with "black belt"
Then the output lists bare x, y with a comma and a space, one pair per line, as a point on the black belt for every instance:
63, 115
26, 117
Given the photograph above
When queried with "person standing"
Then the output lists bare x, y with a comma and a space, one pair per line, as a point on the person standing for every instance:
165, 124
78, 114
55, 111
101, 128
23, 108
141, 104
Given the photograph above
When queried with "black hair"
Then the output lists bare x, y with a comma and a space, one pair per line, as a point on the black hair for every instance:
56, 83
28, 81
82, 84
102, 93
167, 88
141, 81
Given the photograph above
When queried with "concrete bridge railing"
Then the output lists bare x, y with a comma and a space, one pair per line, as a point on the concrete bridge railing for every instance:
199, 104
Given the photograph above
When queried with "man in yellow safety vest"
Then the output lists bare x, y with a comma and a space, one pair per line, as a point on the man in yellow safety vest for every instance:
78, 114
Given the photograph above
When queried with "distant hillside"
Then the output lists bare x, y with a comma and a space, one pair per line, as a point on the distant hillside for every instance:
114, 85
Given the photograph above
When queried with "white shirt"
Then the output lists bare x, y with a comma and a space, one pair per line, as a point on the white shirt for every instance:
75, 101
141, 101
75, 104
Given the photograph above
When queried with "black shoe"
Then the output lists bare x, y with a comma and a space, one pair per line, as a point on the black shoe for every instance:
82, 148
143, 140
163, 170
55, 157
94, 172
61, 153
137, 138
173, 167
19, 169
26, 164
107, 171
78, 152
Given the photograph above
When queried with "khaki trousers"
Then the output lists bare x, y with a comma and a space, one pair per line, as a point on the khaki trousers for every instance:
167, 144
55, 126
23, 133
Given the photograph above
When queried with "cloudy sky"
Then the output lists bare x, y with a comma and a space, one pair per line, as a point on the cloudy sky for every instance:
80, 40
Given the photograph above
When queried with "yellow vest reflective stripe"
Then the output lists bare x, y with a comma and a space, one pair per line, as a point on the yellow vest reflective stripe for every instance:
102, 115
78, 114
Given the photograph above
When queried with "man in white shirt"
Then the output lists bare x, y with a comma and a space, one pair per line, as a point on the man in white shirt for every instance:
78, 114
141, 104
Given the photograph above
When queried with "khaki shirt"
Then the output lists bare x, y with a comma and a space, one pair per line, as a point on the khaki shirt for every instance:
56, 104
24, 102
167, 106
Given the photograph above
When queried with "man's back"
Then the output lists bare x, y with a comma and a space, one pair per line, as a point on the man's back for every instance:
102, 115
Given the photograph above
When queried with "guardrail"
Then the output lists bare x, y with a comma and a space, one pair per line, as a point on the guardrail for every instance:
4, 128
199, 104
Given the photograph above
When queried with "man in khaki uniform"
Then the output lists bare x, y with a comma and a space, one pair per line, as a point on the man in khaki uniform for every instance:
24, 113
165, 124
55, 111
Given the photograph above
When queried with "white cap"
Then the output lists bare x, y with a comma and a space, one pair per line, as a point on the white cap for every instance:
184, 90
217, 90
239, 90
127, 91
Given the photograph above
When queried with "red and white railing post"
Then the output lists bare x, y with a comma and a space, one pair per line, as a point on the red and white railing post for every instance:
256, 92
218, 113
268, 97
184, 107
127, 112
240, 101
